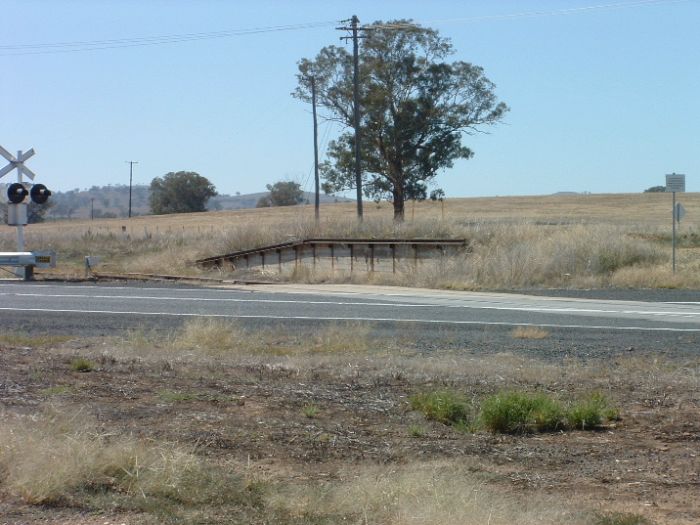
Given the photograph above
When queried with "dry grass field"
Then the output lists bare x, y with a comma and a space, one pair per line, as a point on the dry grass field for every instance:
218, 424
514, 242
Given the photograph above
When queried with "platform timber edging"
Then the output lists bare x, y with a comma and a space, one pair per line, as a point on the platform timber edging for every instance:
338, 254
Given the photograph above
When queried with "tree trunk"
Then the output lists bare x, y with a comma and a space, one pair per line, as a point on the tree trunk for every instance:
398, 203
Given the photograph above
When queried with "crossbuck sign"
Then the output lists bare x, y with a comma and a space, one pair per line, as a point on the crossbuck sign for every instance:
17, 213
17, 163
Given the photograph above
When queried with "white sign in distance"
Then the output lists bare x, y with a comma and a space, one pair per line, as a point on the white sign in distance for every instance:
675, 183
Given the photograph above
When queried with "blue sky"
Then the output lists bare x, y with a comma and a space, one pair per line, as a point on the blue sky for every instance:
604, 100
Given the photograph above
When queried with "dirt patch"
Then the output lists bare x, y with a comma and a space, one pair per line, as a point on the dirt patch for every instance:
252, 409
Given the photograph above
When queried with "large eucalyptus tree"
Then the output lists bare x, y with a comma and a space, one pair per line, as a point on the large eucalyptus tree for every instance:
415, 109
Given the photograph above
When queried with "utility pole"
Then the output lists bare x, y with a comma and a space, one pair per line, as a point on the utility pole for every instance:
317, 202
131, 176
20, 227
354, 21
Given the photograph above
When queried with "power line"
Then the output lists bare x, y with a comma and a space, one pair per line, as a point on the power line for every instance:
98, 45
535, 14
118, 43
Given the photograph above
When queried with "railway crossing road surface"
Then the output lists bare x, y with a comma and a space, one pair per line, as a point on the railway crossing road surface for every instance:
43, 305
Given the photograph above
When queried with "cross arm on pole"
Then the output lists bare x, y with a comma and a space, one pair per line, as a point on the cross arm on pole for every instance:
9, 156
17, 163
26, 155
26, 171
7, 169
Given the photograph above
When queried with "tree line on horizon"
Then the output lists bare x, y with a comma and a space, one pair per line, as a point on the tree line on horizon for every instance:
175, 192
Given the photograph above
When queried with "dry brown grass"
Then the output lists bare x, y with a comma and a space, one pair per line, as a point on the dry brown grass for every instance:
59, 458
350, 350
227, 342
529, 332
515, 242
425, 493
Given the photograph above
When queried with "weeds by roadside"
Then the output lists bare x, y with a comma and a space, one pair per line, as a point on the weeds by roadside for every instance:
519, 412
57, 459
310, 410
529, 332
442, 406
80, 364
515, 412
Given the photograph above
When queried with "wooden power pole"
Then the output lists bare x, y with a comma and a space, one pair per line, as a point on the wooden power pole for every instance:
317, 201
354, 29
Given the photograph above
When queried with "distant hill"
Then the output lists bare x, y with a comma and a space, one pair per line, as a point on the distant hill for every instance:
113, 201
249, 200
570, 193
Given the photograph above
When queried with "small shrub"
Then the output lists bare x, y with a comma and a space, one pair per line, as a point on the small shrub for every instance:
516, 412
310, 410
416, 431
442, 406
81, 364
590, 412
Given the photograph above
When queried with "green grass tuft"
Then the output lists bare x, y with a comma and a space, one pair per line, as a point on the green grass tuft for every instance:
310, 410
516, 413
57, 390
416, 431
442, 406
179, 396
81, 364
590, 412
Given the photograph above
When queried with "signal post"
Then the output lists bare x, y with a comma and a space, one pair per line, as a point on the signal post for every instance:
17, 215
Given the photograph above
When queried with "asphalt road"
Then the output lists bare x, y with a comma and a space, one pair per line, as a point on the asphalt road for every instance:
97, 304
426, 320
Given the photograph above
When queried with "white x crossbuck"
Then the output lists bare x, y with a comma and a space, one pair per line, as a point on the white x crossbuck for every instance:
17, 163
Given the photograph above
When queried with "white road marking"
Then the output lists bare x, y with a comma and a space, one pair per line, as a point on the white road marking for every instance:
476, 304
365, 319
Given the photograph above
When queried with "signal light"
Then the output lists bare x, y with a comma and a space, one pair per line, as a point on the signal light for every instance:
39, 193
16, 193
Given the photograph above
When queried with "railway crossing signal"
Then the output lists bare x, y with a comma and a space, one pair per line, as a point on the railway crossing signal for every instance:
39, 193
16, 193
17, 210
